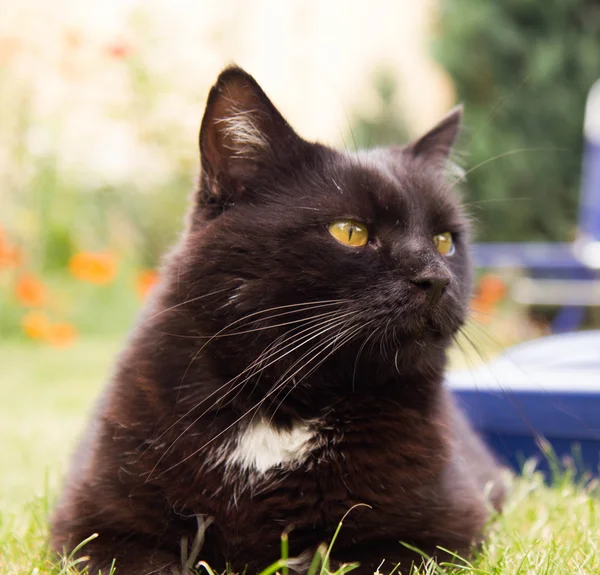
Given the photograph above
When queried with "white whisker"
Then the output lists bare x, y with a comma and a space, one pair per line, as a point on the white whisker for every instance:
309, 337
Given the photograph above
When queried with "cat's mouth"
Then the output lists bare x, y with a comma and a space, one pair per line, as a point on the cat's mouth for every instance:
433, 314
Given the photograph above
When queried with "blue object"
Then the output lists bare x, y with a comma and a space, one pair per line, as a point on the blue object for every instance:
547, 389
532, 255
589, 214
577, 261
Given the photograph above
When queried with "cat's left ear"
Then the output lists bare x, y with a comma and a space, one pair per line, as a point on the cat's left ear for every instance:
435, 146
242, 133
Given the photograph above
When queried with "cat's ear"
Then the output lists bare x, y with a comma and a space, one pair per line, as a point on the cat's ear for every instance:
241, 133
435, 146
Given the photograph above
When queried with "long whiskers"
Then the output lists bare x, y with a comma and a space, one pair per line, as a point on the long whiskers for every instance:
307, 306
312, 322
360, 350
186, 302
259, 365
315, 348
335, 343
240, 418
463, 176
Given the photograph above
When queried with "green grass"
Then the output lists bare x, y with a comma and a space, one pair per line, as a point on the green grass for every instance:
45, 395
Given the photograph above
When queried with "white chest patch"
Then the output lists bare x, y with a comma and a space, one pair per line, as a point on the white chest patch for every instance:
261, 446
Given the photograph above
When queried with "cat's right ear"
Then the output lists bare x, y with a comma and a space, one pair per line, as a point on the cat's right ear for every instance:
242, 133
436, 145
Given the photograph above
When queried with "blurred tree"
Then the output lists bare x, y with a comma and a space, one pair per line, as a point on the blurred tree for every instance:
386, 126
523, 69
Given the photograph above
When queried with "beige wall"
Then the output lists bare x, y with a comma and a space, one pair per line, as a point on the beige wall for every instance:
314, 58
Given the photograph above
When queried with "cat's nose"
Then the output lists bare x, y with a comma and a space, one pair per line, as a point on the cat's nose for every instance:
433, 284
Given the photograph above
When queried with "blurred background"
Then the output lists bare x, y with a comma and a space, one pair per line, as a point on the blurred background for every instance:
100, 105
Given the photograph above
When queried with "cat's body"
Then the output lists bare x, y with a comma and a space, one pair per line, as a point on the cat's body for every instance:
280, 377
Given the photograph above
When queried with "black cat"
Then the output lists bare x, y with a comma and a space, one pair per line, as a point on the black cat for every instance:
290, 365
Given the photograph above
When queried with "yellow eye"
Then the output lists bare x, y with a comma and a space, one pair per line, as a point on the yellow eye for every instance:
349, 232
443, 243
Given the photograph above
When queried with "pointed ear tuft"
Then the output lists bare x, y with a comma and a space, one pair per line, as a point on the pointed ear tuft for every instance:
436, 145
241, 129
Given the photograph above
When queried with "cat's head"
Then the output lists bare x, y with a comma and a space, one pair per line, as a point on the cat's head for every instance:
359, 246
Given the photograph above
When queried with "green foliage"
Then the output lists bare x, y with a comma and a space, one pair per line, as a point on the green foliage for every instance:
54, 206
523, 69
385, 125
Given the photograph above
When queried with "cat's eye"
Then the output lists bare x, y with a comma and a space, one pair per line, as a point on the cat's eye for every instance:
349, 232
444, 244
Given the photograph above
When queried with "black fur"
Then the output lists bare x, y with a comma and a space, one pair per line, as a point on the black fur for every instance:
256, 255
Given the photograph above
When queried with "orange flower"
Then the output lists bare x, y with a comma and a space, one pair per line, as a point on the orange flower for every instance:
10, 256
490, 292
118, 49
482, 308
8, 49
492, 289
72, 39
61, 334
36, 325
97, 268
30, 291
145, 281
